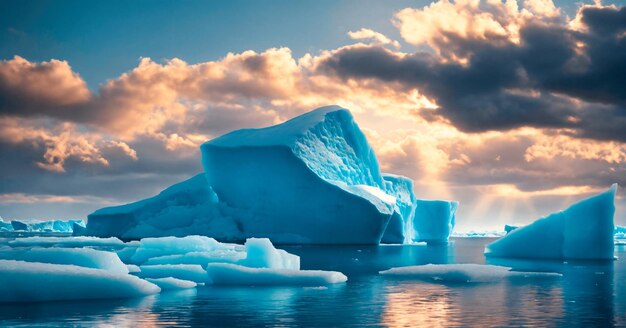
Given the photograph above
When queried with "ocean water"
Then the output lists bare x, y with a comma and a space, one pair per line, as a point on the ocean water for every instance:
590, 294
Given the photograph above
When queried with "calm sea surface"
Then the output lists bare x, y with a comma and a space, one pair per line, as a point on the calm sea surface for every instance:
589, 294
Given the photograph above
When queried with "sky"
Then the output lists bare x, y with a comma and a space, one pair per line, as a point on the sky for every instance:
514, 108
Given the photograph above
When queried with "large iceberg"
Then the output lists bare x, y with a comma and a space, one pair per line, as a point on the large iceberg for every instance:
313, 179
582, 231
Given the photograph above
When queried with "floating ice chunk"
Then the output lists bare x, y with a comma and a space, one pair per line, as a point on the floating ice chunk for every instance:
84, 257
460, 273
172, 283
200, 258
188, 207
582, 231
125, 254
478, 234
299, 181
260, 253
619, 232
155, 247
190, 272
133, 268
66, 241
400, 228
30, 282
232, 274
434, 220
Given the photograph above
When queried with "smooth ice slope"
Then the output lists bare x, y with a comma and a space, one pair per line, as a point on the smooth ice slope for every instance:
30, 282
232, 274
460, 273
434, 220
84, 257
189, 272
400, 228
301, 181
189, 207
582, 231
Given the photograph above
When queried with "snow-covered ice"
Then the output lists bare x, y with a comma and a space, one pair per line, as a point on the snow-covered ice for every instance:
460, 273
582, 231
172, 283
232, 274
191, 272
30, 282
84, 257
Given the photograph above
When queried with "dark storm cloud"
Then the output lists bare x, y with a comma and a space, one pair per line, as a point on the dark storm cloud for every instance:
555, 77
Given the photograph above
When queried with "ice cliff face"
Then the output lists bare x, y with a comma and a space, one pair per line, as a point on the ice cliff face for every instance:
313, 179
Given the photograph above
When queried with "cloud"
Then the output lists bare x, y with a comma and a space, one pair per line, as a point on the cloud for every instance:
376, 37
486, 74
40, 89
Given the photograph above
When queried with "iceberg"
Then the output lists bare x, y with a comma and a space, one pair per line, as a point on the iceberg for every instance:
31, 282
172, 283
232, 274
150, 248
509, 228
46, 226
5, 226
83, 257
434, 220
188, 272
400, 228
260, 253
460, 273
582, 231
311, 180
188, 207
67, 241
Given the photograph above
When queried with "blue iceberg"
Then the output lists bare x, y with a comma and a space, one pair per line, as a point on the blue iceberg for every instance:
434, 220
311, 180
44, 226
188, 207
582, 231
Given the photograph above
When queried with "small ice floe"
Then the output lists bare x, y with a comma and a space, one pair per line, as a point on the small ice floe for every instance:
460, 273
